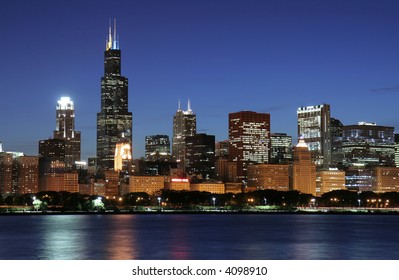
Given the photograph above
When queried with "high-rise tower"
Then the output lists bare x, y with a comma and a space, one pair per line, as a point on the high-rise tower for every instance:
249, 140
184, 124
314, 129
114, 122
65, 130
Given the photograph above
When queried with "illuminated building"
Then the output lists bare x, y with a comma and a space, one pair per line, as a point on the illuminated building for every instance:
148, 184
336, 142
249, 140
329, 180
51, 162
368, 145
58, 182
200, 155
231, 187
212, 187
27, 168
157, 148
111, 182
222, 169
184, 124
268, 176
6, 167
303, 170
123, 157
222, 148
358, 178
280, 148
178, 184
314, 128
396, 150
114, 122
385, 179
65, 130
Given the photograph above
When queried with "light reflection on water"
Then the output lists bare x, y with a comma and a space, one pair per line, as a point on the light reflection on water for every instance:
182, 236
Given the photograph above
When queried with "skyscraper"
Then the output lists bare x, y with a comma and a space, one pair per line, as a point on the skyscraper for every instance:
249, 140
303, 170
367, 145
184, 124
157, 148
281, 148
200, 155
314, 129
114, 122
65, 130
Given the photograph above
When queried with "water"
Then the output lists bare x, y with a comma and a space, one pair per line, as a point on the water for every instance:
199, 236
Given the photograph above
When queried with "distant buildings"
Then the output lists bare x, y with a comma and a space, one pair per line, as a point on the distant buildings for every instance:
114, 121
157, 148
200, 155
184, 124
268, 176
329, 180
367, 145
280, 148
314, 128
249, 140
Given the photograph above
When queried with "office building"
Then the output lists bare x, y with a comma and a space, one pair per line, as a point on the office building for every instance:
65, 130
314, 129
268, 176
114, 121
212, 187
157, 148
303, 169
336, 142
6, 174
280, 148
27, 171
368, 145
200, 155
329, 180
147, 184
184, 124
249, 140
123, 157
385, 179
358, 178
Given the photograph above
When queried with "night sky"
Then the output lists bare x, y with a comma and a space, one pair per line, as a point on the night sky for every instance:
224, 55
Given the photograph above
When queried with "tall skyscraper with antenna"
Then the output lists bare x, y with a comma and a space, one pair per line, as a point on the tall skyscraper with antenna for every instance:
65, 130
184, 124
114, 122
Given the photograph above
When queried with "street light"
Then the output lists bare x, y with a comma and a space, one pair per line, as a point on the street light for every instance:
159, 202
265, 199
359, 202
214, 202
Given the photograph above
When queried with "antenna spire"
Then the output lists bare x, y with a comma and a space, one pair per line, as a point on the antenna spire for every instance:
109, 41
112, 42
189, 105
178, 105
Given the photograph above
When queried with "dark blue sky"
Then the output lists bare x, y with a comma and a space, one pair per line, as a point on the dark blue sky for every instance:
225, 56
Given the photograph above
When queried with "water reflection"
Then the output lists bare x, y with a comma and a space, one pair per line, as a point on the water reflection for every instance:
125, 237
121, 241
64, 238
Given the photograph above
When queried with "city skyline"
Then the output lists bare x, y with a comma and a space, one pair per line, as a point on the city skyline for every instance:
264, 56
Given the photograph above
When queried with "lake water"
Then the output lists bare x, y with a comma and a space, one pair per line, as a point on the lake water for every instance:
199, 236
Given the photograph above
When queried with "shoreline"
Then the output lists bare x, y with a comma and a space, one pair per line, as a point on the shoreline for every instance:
211, 212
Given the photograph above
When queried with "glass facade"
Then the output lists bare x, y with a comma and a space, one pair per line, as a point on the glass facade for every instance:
249, 140
368, 144
314, 128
